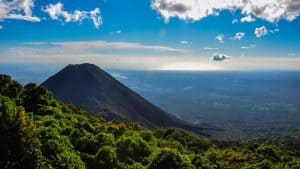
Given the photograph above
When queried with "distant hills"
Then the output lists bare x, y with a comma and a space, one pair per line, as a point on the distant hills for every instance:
90, 87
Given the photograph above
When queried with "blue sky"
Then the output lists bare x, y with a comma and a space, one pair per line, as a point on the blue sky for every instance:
152, 34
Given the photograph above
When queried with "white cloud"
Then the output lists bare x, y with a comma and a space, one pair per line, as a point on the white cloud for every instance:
94, 47
56, 12
1, 27
118, 75
17, 9
248, 18
239, 36
114, 45
210, 48
220, 38
184, 42
116, 32
220, 57
275, 30
291, 54
108, 54
248, 47
234, 21
97, 19
260, 32
269, 10
46, 54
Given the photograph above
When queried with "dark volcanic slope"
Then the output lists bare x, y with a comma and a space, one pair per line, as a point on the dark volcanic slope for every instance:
95, 90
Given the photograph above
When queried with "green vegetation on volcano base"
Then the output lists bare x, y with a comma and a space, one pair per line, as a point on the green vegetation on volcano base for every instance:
37, 131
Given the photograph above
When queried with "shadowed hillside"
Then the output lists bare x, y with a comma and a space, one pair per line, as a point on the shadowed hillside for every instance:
90, 87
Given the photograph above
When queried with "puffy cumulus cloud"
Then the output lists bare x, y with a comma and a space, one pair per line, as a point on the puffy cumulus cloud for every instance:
220, 38
248, 18
270, 10
260, 32
17, 9
56, 12
220, 57
239, 36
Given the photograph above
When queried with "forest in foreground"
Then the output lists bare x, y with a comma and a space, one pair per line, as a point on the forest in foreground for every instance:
38, 131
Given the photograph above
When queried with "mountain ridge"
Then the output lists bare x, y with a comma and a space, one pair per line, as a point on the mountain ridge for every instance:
92, 88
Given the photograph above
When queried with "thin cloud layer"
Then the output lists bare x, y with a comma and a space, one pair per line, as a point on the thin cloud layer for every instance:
185, 42
18, 10
249, 46
195, 10
87, 48
210, 48
56, 12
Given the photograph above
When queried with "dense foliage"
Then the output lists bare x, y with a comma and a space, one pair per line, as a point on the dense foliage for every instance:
37, 131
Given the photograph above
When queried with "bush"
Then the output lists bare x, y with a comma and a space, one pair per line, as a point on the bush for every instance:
105, 139
269, 152
169, 159
107, 158
132, 148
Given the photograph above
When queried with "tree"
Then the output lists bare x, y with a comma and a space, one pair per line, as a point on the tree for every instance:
132, 148
170, 159
9, 87
35, 98
11, 147
107, 158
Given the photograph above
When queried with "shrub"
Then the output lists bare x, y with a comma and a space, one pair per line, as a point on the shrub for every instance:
169, 159
132, 148
107, 158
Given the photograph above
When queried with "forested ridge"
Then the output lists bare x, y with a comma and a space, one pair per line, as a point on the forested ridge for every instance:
38, 131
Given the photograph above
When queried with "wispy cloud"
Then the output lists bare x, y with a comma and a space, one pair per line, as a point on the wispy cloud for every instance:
185, 42
234, 21
86, 49
275, 30
88, 45
116, 32
220, 38
56, 12
239, 35
108, 54
252, 46
210, 48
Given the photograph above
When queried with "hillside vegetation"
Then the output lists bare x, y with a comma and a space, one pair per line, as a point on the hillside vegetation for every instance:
37, 131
